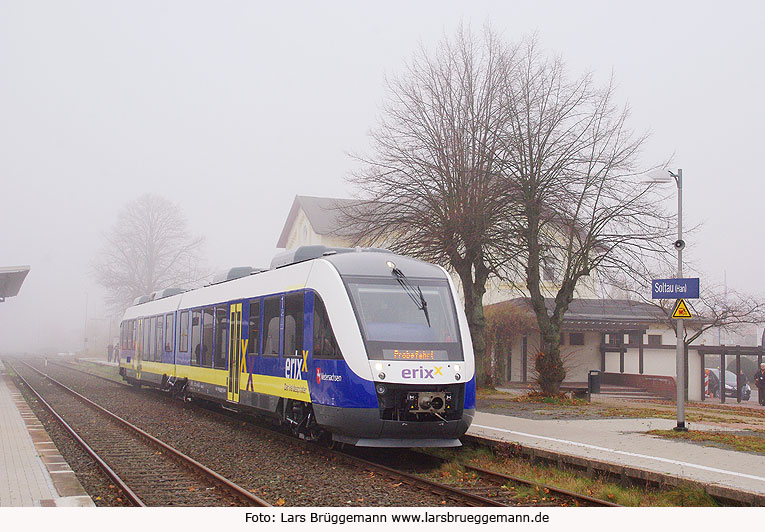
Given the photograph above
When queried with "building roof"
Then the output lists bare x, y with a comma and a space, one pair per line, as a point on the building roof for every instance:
11, 279
602, 314
324, 214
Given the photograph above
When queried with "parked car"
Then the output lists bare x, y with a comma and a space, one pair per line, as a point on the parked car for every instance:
730, 385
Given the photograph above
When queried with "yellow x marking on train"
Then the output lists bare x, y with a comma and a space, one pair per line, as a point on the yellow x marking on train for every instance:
243, 365
305, 361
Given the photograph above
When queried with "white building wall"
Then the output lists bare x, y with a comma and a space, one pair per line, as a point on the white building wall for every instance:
578, 360
659, 362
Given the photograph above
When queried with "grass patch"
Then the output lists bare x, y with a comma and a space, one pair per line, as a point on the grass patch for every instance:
738, 442
507, 461
560, 399
484, 392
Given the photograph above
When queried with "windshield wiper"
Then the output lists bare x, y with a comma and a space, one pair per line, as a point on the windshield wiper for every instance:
414, 293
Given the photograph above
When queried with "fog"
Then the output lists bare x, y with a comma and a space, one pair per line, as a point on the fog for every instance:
232, 108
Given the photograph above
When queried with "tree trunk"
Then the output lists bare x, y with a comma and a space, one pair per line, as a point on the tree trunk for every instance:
473, 291
549, 365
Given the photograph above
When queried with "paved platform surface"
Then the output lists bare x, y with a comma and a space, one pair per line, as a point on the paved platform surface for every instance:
623, 441
32, 472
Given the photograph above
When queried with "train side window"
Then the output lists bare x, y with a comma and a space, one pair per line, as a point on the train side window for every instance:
145, 349
158, 341
221, 333
324, 342
196, 337
207, 337
169, 322
271, 314
149, 347
293, 325
254, 328
183, 340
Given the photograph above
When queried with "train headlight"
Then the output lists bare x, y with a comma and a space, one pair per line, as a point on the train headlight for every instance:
378, 366
381, 375
381, 389
458, 376
457, 368
412, 400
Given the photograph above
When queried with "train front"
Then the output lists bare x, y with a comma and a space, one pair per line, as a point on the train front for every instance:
410, 369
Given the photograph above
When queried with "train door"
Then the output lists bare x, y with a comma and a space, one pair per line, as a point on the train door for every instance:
234, 351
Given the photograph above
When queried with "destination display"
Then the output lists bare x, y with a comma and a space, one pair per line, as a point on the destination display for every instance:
416, 354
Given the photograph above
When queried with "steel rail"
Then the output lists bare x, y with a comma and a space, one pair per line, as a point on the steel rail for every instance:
88, 449
479, 500
178, 454
475, 500
544, 487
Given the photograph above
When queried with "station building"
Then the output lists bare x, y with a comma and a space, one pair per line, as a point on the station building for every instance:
632, 343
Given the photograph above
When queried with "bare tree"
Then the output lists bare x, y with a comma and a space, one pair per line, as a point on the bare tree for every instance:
429, 188
149, 248
569, 164
714, 309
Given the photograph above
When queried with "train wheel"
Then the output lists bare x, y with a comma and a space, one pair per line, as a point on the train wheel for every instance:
333, 444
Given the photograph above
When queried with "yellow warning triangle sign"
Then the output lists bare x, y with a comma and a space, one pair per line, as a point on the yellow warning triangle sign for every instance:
681, 311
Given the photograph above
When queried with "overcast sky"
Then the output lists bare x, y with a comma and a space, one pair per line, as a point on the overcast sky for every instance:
231, 108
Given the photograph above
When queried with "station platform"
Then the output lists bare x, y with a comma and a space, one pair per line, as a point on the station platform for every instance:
623, 443
32, 471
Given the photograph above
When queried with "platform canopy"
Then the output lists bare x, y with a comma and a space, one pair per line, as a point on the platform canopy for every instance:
11, 279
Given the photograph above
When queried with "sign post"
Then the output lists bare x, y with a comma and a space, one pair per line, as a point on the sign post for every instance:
679, 288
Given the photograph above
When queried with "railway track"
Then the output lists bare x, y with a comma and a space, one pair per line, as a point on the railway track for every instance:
396, 477
478, 487
148, 471
506, 489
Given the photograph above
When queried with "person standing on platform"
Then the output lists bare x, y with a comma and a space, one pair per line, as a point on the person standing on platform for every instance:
759, 380
110, 352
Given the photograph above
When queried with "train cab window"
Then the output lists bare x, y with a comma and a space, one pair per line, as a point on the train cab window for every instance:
183, 340
207, 337
221, 332
271, 314
293, 325
158, 342
169, 322
324, 343
196, 337
253, 328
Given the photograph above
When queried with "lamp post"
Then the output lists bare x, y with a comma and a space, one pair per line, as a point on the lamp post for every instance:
660, 177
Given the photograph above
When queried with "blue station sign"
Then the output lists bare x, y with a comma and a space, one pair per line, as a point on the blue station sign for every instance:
675, 288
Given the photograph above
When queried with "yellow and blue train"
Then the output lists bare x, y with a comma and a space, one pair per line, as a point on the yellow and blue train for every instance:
358, 345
